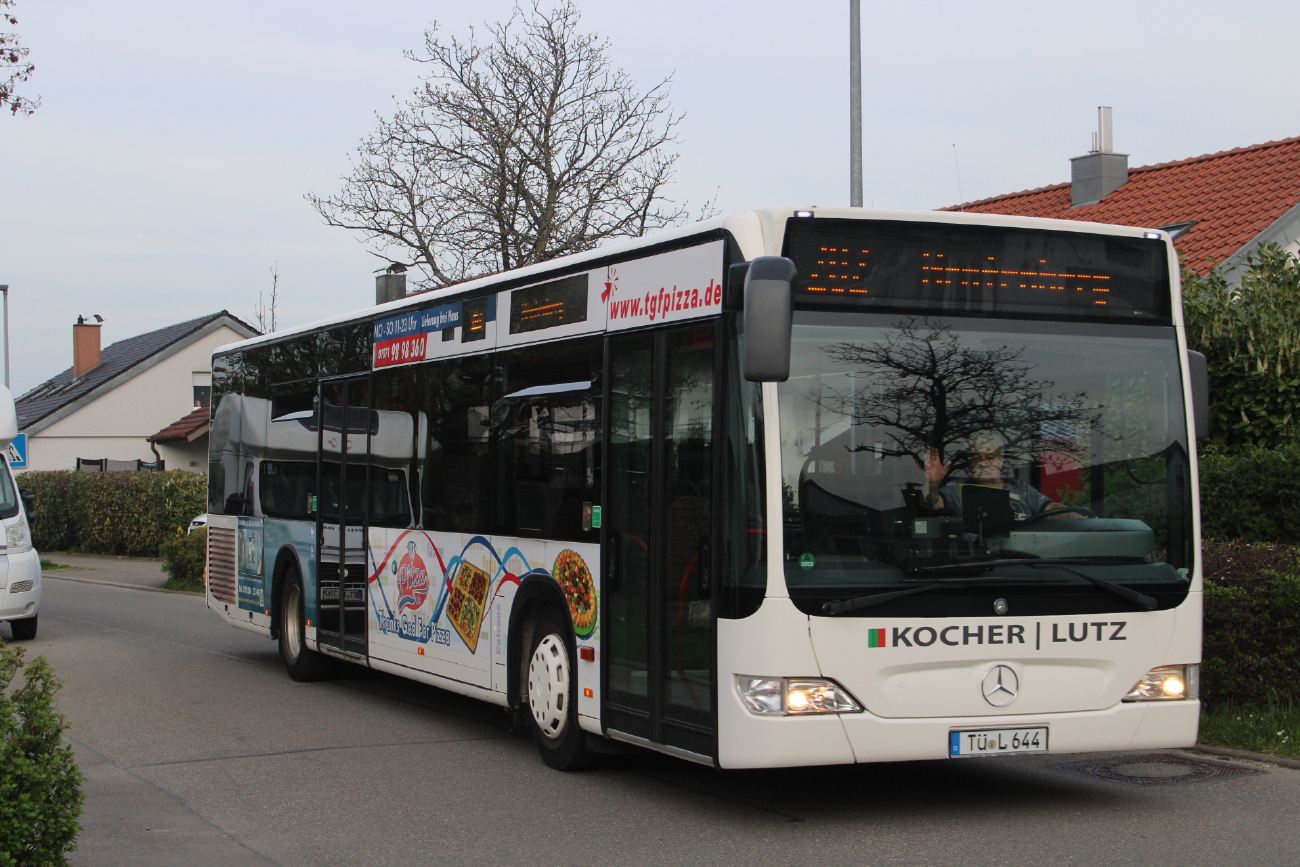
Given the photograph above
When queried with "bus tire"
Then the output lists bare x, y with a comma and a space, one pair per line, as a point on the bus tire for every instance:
552, 688
24, 628
302, 663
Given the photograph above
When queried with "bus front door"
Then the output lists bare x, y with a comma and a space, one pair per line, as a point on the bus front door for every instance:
659, 523
344, 427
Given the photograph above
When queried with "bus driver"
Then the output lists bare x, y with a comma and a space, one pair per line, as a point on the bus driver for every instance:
986, 464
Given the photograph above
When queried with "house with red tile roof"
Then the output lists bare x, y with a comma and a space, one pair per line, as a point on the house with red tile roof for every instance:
1218, 207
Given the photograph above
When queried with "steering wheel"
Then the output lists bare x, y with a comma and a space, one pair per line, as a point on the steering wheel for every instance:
1052, 513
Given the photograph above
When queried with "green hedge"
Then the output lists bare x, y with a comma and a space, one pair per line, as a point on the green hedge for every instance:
1252, 624
1251, 494
128, 514
184, 559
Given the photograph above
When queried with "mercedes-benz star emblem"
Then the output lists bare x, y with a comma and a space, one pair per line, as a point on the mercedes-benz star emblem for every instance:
1000, 686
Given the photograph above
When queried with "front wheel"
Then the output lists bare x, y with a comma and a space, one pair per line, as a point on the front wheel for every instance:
24, 629
302, 663
552, 691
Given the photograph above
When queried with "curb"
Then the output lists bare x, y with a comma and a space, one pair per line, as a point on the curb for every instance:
122, 585
1230, 753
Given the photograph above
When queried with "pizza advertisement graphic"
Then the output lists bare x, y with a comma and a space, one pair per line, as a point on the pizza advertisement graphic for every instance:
412, 580
467, 602
424, 592
575, 580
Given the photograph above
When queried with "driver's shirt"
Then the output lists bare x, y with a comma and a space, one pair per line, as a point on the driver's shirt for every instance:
1025, 500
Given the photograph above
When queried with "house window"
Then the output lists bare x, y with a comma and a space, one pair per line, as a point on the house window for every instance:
201, 381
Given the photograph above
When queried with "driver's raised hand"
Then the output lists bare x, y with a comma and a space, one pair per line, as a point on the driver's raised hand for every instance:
935, 469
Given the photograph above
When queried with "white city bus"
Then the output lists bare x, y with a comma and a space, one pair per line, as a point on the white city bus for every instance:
781, 488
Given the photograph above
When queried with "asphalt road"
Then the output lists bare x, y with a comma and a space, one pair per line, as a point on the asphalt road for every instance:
200, 750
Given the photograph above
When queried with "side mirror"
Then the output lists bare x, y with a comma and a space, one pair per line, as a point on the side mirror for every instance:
29, 503
1199, 372
768, 318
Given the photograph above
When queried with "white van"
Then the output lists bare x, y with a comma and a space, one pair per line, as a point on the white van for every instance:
20, 565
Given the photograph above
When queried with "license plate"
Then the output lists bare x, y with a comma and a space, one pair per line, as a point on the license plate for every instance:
997, 742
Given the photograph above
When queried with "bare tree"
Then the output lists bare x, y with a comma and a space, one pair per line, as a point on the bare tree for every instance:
266, 315
13, 60
527, 146
922, 389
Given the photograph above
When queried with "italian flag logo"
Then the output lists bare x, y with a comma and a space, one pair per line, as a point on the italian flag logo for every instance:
876, 638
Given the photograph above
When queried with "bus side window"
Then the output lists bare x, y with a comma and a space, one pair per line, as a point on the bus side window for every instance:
396, 452
455, 489
546, 430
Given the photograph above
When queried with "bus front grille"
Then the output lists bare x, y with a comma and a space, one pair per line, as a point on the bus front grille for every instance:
221, 564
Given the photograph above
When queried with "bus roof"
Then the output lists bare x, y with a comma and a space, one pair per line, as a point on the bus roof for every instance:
758, 233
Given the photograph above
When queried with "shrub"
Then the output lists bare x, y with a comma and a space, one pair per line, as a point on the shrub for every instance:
1251, 494
183, 559
40, 784
1252, 631
113, 513
1250, 335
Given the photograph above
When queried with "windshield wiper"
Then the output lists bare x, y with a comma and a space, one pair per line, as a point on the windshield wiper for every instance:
836, 607
1062, 563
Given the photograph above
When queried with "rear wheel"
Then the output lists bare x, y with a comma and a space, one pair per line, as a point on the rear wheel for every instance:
552, 696
302, 663
24, 629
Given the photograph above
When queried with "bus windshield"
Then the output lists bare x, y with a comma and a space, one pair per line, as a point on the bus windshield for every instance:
912, 445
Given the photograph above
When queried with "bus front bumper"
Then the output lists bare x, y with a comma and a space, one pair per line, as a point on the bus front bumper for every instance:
749, 741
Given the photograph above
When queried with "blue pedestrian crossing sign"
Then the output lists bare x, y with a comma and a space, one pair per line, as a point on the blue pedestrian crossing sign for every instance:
16, 454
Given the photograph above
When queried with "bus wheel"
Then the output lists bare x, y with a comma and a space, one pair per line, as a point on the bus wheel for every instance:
24, 629
302, 663
552, 691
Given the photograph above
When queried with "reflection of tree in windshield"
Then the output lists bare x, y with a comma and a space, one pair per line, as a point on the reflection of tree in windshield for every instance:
922, 389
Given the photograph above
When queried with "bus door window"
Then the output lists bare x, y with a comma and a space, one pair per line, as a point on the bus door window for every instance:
627, 575
688, 425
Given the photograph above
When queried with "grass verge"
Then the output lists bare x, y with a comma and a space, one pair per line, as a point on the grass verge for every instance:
48, 566
1270, 729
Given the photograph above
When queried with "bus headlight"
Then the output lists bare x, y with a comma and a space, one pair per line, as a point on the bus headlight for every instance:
17, 535
1167, 683
794, 696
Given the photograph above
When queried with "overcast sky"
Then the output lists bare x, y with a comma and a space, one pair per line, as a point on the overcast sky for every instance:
163, 175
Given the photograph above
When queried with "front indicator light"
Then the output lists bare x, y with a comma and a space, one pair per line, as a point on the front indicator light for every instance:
787, 696
1167, 683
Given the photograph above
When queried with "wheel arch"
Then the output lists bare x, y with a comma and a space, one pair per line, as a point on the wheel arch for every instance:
534, 594
285, 559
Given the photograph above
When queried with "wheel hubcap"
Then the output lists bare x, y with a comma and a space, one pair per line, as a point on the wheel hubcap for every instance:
548, 686
293, 622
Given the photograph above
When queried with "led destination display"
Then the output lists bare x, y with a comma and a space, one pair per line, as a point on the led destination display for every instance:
560, 302
978, 270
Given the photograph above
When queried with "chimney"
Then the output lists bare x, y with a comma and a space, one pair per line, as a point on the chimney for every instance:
1101, 171
390, 286
85, 346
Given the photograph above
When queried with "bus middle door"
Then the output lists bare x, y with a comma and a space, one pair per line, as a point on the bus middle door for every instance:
346, 424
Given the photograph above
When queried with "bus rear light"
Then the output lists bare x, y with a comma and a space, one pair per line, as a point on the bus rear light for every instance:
784, 696
1167, 683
